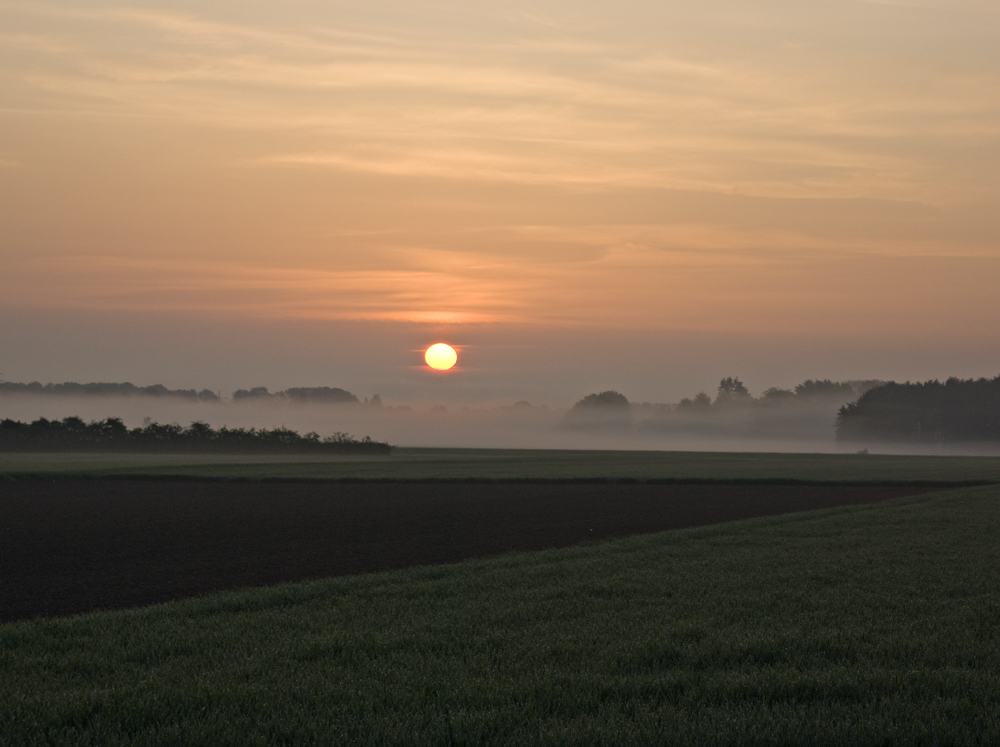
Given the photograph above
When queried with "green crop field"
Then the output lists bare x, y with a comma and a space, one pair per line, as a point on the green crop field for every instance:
505, 464
865, 625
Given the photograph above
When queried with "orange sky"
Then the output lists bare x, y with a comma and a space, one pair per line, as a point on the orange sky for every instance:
781, 171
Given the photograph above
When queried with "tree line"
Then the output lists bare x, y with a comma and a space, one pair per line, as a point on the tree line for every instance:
871, 411
733, 393
927, 412
112, 435
126, 389
101, 389
301, 394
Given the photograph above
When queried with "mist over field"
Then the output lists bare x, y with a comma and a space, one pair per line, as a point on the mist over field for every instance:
808, 427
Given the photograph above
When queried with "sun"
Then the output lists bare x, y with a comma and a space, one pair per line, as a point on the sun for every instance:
441, 356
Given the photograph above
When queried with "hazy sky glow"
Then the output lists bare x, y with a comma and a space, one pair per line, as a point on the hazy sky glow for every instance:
502, 173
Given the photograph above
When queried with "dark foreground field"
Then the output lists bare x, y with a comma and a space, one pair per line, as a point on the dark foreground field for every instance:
70, 546
863, 625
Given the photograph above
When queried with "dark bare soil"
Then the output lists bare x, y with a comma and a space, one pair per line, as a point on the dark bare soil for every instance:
70, 546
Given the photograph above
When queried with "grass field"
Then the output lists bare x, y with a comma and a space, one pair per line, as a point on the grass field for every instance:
503, 464
864, 625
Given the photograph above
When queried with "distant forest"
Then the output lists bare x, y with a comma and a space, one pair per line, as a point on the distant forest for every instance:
928, 412
856, 411
126, 389
733, 394
301, 394
111, 435
71, 388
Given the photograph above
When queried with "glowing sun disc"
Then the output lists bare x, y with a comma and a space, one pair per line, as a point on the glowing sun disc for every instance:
441, 356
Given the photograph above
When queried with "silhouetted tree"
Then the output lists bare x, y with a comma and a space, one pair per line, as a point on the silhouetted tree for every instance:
609, 408
825, 389
608, 399
319, 394
702, 402
257, 392
775, 396
732, 392
957, 410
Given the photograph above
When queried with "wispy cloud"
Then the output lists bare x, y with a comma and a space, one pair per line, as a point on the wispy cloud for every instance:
638, 286
500, 165
266, 291
624, 113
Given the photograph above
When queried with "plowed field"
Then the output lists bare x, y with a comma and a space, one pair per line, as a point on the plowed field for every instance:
71, 546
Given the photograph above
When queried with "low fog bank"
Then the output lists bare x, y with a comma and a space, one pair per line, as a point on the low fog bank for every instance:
782, 428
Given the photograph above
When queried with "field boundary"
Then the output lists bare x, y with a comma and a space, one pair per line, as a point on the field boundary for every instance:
73, 546
763, 481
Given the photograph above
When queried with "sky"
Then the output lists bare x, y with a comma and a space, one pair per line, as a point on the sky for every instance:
641, 195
